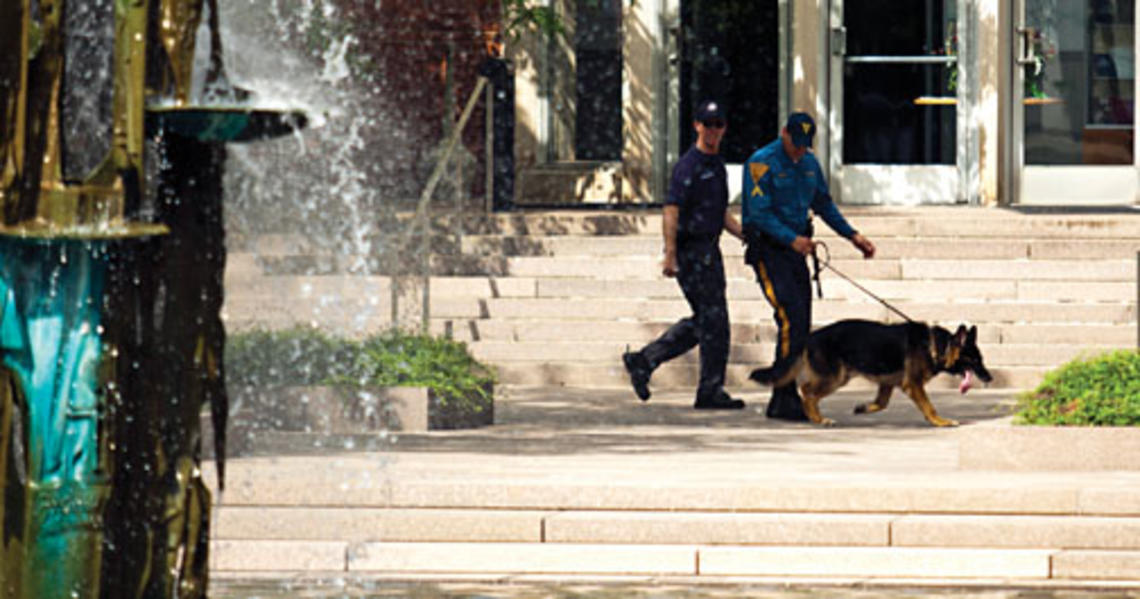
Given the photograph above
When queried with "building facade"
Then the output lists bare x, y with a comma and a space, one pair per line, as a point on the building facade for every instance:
984, 102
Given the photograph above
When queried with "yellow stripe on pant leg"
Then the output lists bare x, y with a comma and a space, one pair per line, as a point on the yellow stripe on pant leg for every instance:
781, 315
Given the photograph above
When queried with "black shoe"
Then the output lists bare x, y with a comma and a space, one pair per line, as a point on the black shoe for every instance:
638, 368
722, 402
786, 406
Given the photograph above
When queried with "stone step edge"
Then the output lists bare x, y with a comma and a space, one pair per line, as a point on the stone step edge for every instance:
682, 527
689, 560
1011, 493
319, 579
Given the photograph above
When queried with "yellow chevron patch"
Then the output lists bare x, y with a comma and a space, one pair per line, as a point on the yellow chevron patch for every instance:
806, 127
757, 170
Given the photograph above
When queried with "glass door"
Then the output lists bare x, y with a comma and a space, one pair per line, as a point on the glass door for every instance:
1074, 101
728, 52
895, 101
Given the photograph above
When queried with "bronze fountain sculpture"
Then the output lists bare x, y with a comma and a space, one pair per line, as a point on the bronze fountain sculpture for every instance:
111, 263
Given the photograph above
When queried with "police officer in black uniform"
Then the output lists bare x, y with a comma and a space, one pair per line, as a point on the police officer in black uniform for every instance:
695, 214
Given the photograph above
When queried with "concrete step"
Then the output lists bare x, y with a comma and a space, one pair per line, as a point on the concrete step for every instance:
620, 332
465, 317
924, 221
358, 525
648, 267
756, 354
333, 307
887, 247
335, 287
679, 374
1008, 566
319, 287
348, 285
827, 310
837, 288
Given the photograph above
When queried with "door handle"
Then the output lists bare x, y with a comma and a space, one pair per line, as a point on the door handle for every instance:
839, 41
1027, 56
675, 32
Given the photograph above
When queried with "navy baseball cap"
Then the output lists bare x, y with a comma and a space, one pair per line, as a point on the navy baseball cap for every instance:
802, 129
709, 110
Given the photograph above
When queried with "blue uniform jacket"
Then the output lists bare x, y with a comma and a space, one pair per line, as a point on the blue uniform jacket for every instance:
778, 192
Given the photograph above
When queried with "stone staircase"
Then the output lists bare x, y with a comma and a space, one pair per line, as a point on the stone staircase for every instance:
553, 298
591, 485
834, 548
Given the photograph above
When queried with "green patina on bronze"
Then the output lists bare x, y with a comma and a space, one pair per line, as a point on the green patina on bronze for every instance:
110, 335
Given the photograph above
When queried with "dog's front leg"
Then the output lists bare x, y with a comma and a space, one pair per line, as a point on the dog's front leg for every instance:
811, 409
918, 394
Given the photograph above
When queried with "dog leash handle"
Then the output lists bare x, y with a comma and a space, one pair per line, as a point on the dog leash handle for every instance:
815, 274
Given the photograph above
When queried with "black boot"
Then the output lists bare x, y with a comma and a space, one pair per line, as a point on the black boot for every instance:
786, 404
639, 370
720, 401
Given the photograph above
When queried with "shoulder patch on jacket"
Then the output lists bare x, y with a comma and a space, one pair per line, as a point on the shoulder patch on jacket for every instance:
757, 170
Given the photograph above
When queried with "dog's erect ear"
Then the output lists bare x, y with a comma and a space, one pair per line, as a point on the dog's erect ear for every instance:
960, 336
972, 336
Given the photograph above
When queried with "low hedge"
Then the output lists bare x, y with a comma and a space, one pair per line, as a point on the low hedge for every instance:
306, 356
1098, 391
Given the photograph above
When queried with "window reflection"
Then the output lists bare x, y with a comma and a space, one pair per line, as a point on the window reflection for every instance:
1079, 85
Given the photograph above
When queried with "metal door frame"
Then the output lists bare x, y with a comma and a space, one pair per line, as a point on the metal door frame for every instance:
1016, 174
966, 179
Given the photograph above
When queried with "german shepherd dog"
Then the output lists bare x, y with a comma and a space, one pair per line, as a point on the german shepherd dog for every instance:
893, 355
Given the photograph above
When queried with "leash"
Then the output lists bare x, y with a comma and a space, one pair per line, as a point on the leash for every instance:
826, 263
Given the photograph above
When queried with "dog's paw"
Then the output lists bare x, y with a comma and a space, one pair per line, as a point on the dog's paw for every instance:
826, 422
945, 422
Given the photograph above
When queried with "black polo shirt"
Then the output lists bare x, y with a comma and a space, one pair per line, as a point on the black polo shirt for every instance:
700, 188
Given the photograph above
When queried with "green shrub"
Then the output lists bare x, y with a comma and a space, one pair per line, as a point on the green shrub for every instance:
443, 365
306, 356
1098, 391
297, 356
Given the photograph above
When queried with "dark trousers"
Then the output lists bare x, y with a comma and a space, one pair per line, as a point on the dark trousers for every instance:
783, 277
701, 276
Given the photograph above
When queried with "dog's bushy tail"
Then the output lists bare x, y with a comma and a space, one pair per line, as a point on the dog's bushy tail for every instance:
779, 374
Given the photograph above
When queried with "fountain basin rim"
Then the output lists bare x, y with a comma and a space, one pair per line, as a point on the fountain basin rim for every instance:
224, 123
101, 232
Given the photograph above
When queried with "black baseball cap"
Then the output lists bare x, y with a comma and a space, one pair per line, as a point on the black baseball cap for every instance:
709, 110
802, 129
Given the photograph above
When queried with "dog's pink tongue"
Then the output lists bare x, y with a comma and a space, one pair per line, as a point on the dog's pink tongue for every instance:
967, 382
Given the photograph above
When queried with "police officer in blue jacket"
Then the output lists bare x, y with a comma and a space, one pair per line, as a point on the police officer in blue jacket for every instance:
782, 181
695, 214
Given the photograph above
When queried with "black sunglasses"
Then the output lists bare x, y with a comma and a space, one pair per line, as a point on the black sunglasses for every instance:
714, 124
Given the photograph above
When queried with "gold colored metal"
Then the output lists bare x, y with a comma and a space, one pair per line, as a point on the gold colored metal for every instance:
43, 230
178, 28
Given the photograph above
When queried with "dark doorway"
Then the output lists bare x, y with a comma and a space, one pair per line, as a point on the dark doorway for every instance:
597, 50
730, 53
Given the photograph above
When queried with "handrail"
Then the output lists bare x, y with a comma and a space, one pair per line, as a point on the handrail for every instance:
419, 220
